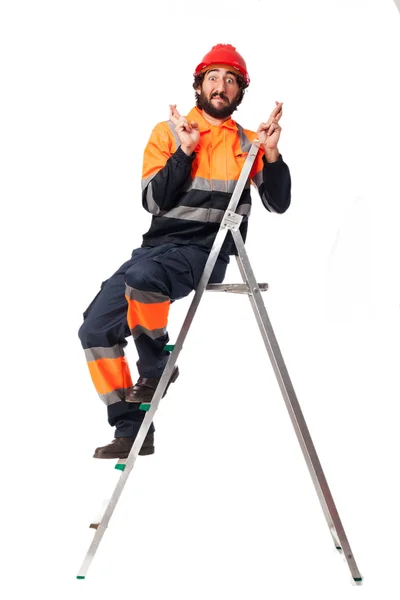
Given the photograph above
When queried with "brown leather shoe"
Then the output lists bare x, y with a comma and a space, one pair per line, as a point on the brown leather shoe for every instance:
144, 388
121, 446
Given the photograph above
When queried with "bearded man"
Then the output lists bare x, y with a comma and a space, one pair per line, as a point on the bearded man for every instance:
190, 168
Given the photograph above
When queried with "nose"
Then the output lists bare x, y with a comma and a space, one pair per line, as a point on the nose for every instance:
221, 86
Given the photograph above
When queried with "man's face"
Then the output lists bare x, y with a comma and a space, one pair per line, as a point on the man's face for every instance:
219, 93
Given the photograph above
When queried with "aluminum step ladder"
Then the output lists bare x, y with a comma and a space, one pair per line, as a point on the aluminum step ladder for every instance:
230, 223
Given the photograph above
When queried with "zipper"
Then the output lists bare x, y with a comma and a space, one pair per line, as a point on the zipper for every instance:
210, 154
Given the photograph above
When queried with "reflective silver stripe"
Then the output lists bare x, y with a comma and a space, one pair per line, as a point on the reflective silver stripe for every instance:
218, 185
102, 352
145, 297
192, 213
266, 203
205, 215
153, 207
146, 180
172, 128
215, 185
243, 209
152, 333
258, 180
198, 183
113, 397
245, 143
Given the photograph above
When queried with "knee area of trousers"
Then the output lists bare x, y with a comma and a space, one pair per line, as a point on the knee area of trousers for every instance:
145, 276
93, 337
84, 332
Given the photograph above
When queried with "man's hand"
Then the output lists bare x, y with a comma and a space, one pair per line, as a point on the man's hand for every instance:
268, 133
188, 133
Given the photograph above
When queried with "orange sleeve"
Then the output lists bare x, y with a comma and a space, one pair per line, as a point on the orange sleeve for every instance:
258, 163
159, 149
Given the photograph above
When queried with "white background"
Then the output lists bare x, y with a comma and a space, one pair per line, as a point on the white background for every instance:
226, 507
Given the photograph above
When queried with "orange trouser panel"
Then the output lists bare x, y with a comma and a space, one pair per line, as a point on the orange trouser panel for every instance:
110, 374
151, 316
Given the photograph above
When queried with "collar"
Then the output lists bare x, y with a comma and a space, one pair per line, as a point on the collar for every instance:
196, 115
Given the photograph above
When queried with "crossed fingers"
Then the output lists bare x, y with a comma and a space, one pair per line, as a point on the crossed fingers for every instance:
277, 112
275, 115
273, 122
180, 122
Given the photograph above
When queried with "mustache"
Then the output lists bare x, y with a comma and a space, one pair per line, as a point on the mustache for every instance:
219, 95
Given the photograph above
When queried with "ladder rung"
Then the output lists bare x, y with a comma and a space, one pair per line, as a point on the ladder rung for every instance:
96, 521
235, 288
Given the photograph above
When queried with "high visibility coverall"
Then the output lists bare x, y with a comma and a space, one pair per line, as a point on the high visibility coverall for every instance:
187, 197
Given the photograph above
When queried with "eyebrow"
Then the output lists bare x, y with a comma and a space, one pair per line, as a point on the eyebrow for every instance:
228, 72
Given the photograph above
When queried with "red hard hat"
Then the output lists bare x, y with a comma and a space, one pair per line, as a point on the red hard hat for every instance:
224, 54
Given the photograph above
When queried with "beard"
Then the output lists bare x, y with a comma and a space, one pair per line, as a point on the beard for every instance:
218, 113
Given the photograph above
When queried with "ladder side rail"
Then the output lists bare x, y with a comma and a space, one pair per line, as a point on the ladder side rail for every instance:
145, 425
293, 406
212, 259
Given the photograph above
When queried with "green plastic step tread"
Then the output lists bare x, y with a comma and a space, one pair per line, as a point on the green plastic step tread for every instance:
169, 347
144, 407
120, 467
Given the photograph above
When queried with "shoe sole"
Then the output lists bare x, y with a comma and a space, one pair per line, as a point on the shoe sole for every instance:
142, 452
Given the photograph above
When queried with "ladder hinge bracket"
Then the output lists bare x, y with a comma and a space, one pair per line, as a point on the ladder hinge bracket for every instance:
231, 220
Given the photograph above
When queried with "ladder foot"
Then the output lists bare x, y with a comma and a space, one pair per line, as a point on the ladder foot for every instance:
80, 577
358, 580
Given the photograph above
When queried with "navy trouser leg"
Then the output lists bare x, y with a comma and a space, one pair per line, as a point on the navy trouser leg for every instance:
103, 336
168, 270
160, 275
